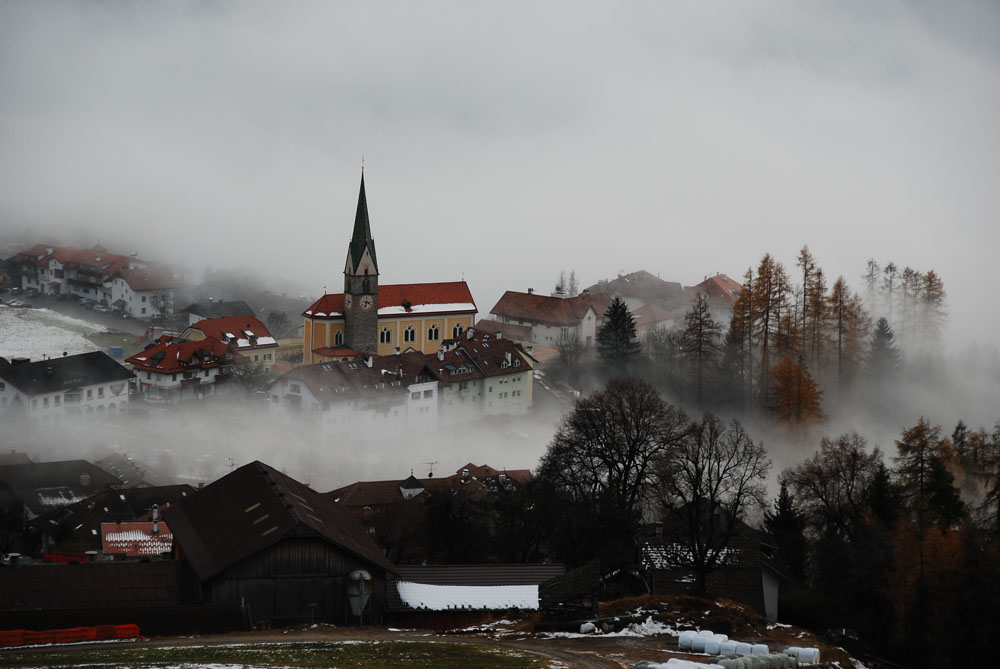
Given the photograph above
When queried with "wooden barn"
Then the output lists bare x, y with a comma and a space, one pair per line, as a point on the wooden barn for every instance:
286, 552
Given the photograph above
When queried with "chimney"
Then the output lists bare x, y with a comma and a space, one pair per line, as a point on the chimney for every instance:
91, 556
201, 484
469, 333
396, 351
531, 291
156, 519
465, 473
368, 361
85, 479
497, 334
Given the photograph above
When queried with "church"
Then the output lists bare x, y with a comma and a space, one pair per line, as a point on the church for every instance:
382, 320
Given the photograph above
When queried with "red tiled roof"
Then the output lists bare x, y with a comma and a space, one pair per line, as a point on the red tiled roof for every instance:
545, 309
720, 290
97, 257
178, 356
650, 314
408, 296
486, 354
150, 278
237, 327
136, 539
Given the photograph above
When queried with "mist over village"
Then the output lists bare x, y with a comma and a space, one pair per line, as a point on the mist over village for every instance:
531, 335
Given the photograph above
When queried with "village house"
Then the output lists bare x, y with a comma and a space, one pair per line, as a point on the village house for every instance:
123, 283
172, 369
113, 515
376, 320
249, 335
721, 293
41, 487
51, 390
144, 293
554, 319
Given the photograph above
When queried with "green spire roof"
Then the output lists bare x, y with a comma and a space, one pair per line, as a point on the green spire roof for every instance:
362, 237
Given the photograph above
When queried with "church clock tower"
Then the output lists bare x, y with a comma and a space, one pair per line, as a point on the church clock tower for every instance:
361, 284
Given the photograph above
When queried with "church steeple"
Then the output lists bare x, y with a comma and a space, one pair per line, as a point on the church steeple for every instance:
362, 237
361, 283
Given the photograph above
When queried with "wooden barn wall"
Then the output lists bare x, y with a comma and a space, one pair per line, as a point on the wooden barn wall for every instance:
281, 582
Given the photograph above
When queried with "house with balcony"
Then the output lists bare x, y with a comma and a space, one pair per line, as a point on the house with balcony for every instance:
249, 335
88, 385
171, 370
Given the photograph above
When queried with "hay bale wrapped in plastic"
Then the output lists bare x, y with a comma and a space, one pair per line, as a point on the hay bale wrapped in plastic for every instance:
713, 646
754, 661
792, 651
743, 648
684, 640
728, 647
808, 655
759, 649
698, 643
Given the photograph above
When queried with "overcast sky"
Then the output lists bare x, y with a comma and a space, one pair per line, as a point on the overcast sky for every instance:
505, 141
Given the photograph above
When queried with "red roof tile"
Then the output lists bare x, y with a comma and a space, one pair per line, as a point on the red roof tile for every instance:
407, 296
169, 356
720, 290
232, 329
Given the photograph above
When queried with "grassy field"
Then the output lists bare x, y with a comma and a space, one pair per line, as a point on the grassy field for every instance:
343, 655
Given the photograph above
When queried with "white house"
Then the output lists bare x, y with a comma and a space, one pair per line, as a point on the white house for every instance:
89, 385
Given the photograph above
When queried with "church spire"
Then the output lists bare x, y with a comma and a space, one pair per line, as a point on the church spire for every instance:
362, 237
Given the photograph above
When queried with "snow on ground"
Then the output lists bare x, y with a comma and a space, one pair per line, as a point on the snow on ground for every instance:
648, 627
29, 333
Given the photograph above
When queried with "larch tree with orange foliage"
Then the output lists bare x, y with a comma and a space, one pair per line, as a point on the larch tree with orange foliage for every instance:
795, 399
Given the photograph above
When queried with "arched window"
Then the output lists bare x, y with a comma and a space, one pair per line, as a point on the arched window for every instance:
338, 338
385, 337
433, 333
409, 334
457, 331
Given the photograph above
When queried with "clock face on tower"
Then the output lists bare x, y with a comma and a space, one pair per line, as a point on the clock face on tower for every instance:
367, 301
348, 300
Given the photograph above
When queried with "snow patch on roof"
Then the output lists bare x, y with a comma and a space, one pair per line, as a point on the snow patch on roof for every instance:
264, 341
426, 308
445, 597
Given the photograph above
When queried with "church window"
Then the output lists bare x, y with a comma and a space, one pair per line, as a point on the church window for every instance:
385, 337
457, 331
338, 338
409, 334
433, 333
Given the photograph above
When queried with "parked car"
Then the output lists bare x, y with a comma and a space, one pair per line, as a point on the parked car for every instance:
32, 292
101, 308
86, 302
16, 290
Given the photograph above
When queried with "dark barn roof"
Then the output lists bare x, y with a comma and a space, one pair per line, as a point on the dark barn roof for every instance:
78, 526
254, 507
44, 486
221, 309
56, 374
469, 575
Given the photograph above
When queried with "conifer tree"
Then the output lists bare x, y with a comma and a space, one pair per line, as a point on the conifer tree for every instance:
883, 362
788, 528
932, 310
616, 342
700, 343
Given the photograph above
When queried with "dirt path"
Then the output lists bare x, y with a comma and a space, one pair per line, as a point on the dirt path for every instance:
582, 653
